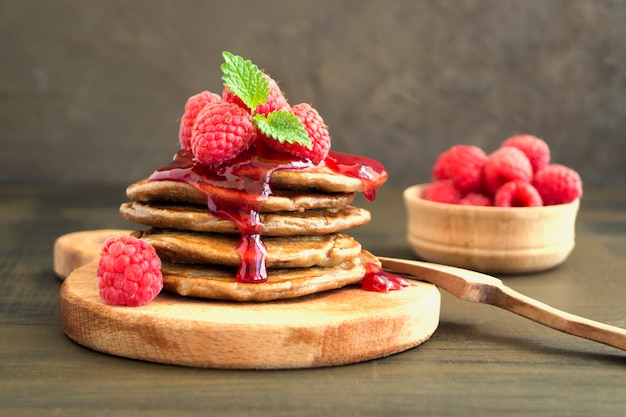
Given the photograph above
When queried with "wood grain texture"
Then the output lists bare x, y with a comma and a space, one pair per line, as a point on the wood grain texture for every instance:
481, 288
480, 361
490, 239
333, 328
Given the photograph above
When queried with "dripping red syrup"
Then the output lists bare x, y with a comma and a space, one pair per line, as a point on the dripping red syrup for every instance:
376, 279
235, 191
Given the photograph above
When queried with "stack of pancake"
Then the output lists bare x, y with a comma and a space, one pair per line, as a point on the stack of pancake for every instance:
303, 225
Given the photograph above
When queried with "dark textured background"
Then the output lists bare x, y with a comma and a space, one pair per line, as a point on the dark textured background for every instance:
90, 91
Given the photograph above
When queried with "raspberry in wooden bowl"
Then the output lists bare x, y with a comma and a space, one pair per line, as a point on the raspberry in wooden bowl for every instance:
512, 211
490, 239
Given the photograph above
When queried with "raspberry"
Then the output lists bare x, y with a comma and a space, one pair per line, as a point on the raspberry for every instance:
275, 100
517, 193
193, 106
463, 164
504, 165
442, 191
317, 131
475, 199
222, 131
537, 151
129, 272
558, 184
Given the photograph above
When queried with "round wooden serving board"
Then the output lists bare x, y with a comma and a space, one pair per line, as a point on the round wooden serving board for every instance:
333, 328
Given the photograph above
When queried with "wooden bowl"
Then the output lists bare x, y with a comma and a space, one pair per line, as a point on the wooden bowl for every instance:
490, 239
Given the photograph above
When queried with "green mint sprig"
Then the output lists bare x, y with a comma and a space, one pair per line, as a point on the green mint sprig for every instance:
284, 127
246, 81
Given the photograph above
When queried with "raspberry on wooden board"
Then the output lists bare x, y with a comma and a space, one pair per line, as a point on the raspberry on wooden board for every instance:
129, 272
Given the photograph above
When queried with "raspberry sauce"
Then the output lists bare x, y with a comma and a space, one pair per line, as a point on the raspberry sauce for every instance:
236, 190
371, 173
378, 280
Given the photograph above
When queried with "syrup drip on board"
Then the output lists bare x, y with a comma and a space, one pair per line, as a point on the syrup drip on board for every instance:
376, 279
236, 190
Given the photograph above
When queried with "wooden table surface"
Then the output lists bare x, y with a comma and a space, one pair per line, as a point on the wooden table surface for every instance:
480, 361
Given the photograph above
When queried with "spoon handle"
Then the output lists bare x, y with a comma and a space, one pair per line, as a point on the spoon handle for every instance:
511, 300
481, 288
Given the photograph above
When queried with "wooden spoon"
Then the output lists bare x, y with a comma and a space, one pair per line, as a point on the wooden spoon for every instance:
481, 288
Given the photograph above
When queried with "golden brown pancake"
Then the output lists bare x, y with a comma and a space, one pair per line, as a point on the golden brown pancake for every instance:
282, 252
317, 178
199, 219
219, 282
281, 200
302, 213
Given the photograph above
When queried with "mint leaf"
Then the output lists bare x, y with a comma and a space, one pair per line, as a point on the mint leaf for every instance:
284, 127
245, 80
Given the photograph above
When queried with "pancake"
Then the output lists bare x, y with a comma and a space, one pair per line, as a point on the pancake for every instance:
199, 219
299, 211
281, 200
318, 178
282, 252
219, 283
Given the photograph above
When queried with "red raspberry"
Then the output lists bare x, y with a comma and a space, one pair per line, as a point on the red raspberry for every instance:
517, 193
463, 164
129, 272
558, 184
504, 165
475, 199
317, 131
442, 192
193, 106
222, 131
536, 149
275, 100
